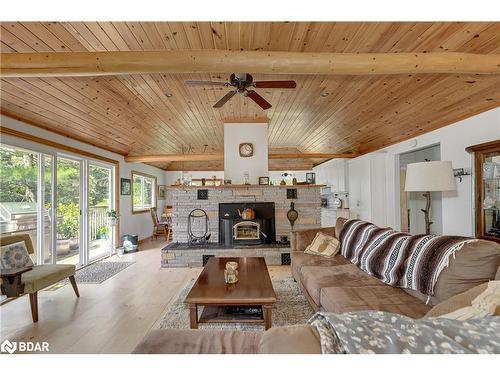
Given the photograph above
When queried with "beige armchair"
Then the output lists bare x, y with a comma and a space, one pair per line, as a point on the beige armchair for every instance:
15, 283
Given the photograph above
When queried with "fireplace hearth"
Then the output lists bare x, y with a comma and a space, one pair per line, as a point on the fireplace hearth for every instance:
233, 230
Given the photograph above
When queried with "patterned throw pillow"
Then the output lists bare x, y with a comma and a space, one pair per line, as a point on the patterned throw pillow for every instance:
323, 245
14, 256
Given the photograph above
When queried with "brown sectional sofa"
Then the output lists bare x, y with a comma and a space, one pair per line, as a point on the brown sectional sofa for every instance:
336, 285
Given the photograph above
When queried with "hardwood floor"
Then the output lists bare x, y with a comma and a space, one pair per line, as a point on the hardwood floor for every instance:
111, 317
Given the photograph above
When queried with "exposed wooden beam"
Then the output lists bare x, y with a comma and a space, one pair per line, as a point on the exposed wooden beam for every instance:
220, 157
173, 157
60, 64
313, 155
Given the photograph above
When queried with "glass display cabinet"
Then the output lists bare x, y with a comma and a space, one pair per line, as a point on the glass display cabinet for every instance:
487, 189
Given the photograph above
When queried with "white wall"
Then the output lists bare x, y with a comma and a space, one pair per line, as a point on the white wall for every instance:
367, 199
457, 206
234, 164
129, 224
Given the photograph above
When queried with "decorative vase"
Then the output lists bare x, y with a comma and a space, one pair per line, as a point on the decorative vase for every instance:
246, 178
112, 221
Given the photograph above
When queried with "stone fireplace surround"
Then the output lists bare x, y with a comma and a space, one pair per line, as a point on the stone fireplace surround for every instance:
185, 199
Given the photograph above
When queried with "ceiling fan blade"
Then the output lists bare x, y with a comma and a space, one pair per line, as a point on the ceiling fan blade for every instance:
208, 83
275, 84
225, 99
263, 103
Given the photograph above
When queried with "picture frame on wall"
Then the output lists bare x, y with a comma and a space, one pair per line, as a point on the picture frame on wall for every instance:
162, 190
125, 186
311, 178
263, 180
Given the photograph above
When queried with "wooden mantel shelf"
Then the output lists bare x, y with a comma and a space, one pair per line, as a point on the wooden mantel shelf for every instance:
181, 187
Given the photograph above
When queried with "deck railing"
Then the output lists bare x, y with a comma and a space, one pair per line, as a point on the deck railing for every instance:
97, 220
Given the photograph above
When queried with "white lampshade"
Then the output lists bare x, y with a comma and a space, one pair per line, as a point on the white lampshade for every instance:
430, 176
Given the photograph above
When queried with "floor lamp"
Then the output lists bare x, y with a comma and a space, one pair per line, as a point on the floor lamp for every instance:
426, 177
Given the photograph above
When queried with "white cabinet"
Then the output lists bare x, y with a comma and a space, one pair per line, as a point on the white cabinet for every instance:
333, 173
367, 189
328, 217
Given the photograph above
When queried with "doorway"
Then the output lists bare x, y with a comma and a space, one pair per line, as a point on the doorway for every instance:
411, 203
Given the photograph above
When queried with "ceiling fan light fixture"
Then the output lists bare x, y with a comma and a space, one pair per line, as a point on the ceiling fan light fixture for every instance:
324, 94
240, 82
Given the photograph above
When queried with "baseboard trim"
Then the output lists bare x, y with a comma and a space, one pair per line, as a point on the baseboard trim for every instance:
144, 240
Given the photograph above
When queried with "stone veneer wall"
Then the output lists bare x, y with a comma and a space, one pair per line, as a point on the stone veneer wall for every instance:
184, 200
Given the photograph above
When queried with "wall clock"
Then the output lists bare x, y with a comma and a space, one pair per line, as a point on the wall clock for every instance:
246, 150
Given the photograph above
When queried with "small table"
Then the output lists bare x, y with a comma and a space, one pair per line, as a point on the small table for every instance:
254, 289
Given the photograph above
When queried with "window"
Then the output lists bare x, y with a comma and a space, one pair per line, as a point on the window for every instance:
143, 192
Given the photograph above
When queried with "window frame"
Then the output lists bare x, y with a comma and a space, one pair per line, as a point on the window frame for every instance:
153, 192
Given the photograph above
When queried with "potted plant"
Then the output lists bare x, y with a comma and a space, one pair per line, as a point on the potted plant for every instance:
67, 228
102, 233
112, 218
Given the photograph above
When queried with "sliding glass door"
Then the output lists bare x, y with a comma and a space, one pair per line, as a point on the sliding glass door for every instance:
100, 201
60, 200
68, 214
19, 193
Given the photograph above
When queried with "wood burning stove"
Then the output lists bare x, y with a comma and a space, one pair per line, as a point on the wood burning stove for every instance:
246, 230
235, 230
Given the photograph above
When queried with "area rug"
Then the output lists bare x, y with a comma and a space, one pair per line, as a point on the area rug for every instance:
290, 308
95, 273
99, 272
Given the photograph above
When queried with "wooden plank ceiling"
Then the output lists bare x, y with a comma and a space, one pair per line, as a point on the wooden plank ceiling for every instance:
131, 114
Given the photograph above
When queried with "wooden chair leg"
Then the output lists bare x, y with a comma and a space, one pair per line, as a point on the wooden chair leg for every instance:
169, 232
34, 306
73, 284
165, 232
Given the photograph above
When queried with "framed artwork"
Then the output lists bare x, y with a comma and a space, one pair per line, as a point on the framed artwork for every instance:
125, 186
263, 180
161, 192
311, 178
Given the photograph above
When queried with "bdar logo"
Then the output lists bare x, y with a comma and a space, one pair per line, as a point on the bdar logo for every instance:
8, 347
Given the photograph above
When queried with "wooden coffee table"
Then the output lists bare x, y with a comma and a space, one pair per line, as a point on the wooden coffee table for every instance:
253, 290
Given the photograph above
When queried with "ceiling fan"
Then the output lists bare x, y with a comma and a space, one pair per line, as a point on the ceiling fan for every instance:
241, 82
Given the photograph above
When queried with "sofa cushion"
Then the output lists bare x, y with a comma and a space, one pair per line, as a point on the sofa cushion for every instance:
339, 224
315, 278
323, 245
300, 259
476, 263
299, 240
456, 302
43, 276
379, 298
299, 339
199, 341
